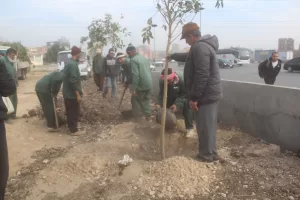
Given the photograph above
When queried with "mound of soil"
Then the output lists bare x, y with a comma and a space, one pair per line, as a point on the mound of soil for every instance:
177, 177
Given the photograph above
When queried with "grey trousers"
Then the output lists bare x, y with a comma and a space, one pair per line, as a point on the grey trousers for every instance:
206, 123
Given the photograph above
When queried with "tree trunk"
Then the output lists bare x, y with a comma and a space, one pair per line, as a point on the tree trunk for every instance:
164, 111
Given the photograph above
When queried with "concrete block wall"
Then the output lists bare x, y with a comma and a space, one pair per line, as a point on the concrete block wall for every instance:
268, 112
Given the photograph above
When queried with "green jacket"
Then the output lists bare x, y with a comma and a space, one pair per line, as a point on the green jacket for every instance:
176, 92
10, 67
127, 70
71, 80
140, 73
98, 63
50, 83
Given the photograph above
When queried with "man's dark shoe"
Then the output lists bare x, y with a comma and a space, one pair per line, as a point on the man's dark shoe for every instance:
218, 158
204, 159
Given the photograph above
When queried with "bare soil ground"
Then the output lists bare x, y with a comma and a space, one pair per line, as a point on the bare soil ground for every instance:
56, 166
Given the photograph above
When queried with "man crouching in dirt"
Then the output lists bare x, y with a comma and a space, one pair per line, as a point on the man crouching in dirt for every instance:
72, 91
7, 87
177, 98
46, 89
141, 83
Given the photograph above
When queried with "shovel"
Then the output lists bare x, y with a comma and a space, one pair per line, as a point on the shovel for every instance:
122, 97
55, 114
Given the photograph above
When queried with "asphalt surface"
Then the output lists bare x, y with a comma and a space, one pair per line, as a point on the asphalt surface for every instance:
249, 73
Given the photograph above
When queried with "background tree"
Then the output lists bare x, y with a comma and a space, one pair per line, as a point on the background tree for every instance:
61, 45
21, 50
103, 32
174, 13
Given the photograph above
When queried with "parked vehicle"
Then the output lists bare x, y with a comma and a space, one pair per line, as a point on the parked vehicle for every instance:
292, 65
159, 64
84, 67
225, 63
22, 67
181, 64
152, 66
261, 55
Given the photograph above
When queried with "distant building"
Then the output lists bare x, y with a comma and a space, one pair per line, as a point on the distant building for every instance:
286, 44
36, 55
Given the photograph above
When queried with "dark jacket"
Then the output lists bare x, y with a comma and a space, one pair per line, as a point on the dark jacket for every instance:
7, 88
176, 92
98, 63
50, 83
201, 71
110, 68
266, 69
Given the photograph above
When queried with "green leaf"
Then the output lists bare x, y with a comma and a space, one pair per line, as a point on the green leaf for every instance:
158, 6
165, 27
144, 40
149, 22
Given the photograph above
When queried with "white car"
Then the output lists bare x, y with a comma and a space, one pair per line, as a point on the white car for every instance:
84, 68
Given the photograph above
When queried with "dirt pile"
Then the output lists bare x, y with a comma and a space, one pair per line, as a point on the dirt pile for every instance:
177, 177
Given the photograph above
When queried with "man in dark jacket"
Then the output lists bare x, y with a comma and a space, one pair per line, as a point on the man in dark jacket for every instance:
111, 72
72, 91
177, 98
98, 72
203, 85
9, 60
46, 89
7, 88
270, 68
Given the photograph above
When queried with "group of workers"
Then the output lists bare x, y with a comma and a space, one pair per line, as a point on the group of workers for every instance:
195, 93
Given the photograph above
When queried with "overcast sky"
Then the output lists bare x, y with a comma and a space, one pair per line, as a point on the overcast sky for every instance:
247, 23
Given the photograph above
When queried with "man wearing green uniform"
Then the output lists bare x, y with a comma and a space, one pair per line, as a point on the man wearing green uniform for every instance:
47, 88
10, 67
98, 63
177, 98
72, 91
141, 83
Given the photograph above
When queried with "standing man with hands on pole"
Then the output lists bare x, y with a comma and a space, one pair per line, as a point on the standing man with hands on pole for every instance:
203, 85
72, 91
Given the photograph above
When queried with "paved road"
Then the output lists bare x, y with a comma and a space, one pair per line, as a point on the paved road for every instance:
249, 73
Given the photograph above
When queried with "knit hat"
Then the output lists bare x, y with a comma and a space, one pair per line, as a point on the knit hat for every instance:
120, 55
75, 51
171, 74
188, 28
111, 50
130, 48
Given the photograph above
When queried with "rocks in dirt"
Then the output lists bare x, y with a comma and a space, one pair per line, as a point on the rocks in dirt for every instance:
223, 195
46, 161
291, 198
125, 161
32, 113
177, 177
25, 116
